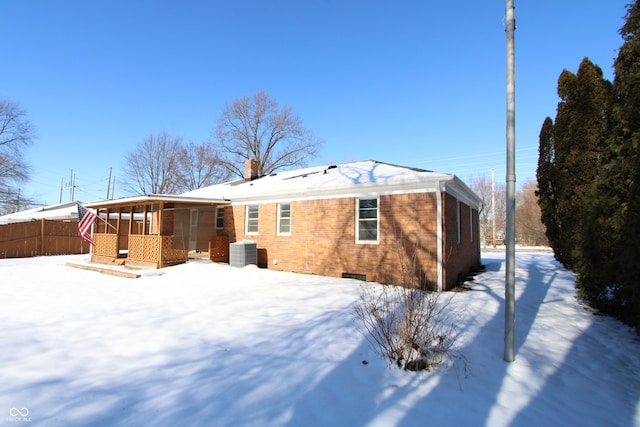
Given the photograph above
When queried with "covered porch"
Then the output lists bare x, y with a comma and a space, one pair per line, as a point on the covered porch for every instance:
155, 231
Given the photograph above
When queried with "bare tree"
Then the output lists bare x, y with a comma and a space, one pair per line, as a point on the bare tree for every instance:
13, 200
199, 166
16, 133
258, 128
153, 166
529, 227
483, 188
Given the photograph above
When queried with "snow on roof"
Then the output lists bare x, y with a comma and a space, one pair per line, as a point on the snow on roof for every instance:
63, 211
343, 180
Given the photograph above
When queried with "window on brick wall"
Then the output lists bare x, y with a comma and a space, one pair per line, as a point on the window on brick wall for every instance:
367, 224
284, 219
470, 224
220, 217
251, 223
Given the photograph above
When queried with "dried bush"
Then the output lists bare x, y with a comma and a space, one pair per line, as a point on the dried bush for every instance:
411, 328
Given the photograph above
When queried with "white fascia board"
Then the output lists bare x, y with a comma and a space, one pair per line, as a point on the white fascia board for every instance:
463, 193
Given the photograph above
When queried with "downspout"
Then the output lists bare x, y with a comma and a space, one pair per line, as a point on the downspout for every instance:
439, 242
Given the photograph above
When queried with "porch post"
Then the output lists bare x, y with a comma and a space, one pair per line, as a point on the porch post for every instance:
144, 220
119, 219
131, 213
160, 234
118, 225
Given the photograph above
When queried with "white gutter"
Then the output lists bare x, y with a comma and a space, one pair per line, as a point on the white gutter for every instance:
155, 198
439, 242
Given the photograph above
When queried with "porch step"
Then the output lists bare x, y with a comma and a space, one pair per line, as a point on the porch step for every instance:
102, 270
198, 255
141, 265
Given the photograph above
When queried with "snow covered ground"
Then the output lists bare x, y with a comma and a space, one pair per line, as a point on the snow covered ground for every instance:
207, 344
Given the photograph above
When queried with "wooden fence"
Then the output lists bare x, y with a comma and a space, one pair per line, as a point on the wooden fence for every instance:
41, 237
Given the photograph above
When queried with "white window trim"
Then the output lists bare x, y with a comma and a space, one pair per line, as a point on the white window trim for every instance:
246, 221
357, 224
278, 218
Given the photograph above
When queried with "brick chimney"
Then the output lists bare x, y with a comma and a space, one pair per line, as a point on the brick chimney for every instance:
250, 169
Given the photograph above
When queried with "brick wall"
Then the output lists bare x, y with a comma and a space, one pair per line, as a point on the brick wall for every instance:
322, 239
459, 256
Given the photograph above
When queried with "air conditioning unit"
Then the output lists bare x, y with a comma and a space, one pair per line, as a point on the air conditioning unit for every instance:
243, 253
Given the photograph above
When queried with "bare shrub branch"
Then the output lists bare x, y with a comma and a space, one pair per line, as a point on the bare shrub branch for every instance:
410, 328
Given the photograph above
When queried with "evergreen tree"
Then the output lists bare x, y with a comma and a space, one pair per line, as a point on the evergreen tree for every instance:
580, 133
545, 175
597, 263
589, 178
625, 177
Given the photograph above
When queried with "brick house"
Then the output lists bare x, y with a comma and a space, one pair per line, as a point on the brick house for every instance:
369, 220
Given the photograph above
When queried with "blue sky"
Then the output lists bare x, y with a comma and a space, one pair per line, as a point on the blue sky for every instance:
413, 82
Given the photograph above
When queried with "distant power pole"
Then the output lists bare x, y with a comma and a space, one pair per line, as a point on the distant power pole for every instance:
493, 208
510, 279
70, 186
109, 184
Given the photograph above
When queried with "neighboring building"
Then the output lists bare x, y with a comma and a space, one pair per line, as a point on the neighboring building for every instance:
47, 230
59, 212
371, 220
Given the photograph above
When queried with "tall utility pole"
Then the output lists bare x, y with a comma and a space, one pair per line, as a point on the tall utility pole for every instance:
510, 279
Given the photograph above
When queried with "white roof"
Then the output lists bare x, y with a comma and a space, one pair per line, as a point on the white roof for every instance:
354, 179
59, 212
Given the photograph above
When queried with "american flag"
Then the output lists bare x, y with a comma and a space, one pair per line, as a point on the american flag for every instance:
85, 221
